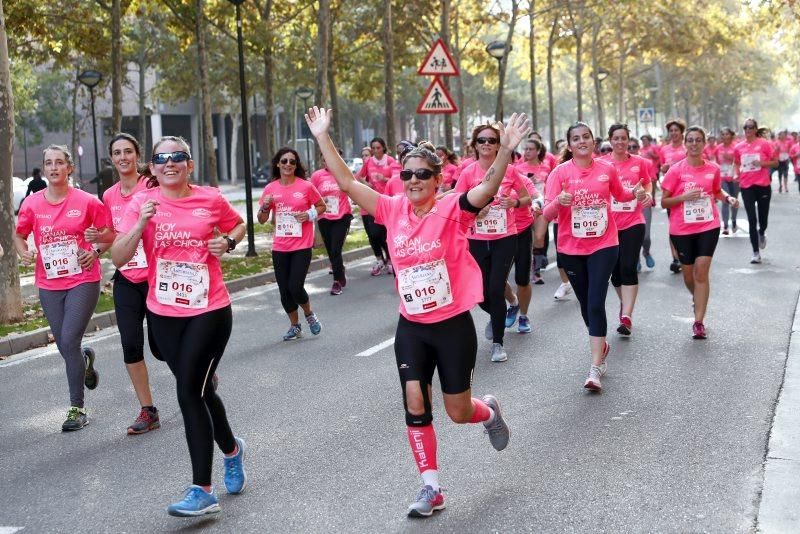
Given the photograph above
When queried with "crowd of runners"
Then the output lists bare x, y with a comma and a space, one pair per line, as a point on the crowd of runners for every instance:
448, 230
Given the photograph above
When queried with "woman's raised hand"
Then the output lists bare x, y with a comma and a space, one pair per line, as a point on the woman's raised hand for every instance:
318, 120
514, 132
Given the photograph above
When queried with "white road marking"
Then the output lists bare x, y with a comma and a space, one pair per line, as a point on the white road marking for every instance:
10, 530
377, 348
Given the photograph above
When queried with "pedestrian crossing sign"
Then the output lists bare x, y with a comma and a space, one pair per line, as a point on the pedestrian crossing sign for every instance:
646, 114
437, 99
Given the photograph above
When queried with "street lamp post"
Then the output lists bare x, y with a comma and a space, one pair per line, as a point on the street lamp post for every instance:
248, 174
90, 78
600, 74
499, 51
304, 93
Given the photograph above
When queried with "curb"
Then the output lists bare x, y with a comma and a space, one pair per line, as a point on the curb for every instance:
17, 343
777, 511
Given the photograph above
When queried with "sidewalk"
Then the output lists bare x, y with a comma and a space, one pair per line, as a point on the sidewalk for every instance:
778, 512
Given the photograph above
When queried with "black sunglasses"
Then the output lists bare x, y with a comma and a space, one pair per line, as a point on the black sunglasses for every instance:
287, 161
633, 147
490, 140
161, 158
421, 174
748, 127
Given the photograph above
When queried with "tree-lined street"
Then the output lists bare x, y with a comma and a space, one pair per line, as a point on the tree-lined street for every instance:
675, 443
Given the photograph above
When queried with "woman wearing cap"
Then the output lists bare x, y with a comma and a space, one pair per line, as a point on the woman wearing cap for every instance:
296, 204
754, 157
647, 211
579, 194
630, 222
669, 154
494, 240
439, 282
690, 189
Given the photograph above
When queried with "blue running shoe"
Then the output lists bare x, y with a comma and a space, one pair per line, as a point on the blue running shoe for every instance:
294, 332
195, 502
511, 315
235, 476
313, 324
524, 325
649, 261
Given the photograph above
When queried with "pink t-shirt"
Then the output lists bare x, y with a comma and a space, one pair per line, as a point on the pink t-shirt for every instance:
58, 235
185, 278
681, 178
784, 149
497, 218
436, 276
794, 154
670, 155
395, 186
631, 171
450, 173
550, 160
724, 157
377, 172
287, 200
710, 152
524, 213
537, 173
747, 154
591, 187
337, 203
116, 203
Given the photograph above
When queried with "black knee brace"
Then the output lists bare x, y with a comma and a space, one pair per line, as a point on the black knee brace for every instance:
418, 420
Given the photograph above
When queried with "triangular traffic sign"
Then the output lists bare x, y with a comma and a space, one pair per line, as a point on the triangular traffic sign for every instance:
438, 62
437, 99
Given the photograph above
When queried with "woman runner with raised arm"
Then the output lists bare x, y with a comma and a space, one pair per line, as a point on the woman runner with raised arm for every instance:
439, 283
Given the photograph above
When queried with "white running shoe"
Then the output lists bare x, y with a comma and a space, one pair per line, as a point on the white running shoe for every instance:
377, 268
498, 353
563, 290
756, 258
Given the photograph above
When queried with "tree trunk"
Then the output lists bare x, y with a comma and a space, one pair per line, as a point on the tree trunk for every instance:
75, 129
10, 297
117, 71
388, 72
234, 169
444, 33
269, 95
532, 51
142, 111
578, 74
621, 112
598, 87
551, 41
337, 134
462, 118
323, 61
205, 95
498, 112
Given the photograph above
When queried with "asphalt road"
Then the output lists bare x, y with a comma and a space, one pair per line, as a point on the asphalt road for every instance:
675, 443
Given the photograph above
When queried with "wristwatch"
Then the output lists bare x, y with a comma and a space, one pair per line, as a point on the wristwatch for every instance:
97, 251
231, 243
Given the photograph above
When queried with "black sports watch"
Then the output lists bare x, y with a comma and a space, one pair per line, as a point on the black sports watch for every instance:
231, 243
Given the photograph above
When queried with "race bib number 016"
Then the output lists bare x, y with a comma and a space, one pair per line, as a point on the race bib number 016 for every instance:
139, 260
424, 287
60, 259
495, 222
589, 221
287, 226
698, 211
182, 284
